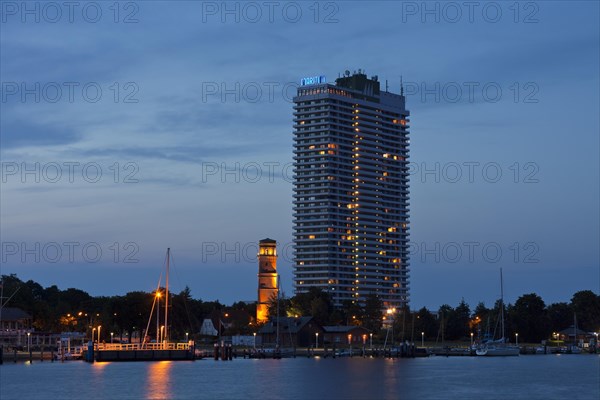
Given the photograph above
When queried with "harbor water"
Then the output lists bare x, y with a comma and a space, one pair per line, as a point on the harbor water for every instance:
525, 377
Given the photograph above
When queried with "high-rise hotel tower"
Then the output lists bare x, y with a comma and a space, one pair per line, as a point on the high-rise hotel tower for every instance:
351, 190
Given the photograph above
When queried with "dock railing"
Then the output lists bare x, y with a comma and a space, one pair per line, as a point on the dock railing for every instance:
142, 346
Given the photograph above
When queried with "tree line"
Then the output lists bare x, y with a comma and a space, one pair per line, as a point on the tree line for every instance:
55, 310
529, 316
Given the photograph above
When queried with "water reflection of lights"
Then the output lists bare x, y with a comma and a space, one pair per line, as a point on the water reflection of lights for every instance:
159, 380
99, 366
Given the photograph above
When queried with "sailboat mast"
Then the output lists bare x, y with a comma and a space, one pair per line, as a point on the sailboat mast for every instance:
502, 303
575, 329
277, 338
166, 336
1, 297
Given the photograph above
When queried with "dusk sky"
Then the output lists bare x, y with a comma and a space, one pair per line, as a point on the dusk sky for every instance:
192, 135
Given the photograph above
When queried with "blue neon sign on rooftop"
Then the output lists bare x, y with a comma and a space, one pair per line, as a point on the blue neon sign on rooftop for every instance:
313, 80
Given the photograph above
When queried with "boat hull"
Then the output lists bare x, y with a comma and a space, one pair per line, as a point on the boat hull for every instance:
498, 351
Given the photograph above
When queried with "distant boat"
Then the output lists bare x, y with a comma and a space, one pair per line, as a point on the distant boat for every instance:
574, 348
498, 347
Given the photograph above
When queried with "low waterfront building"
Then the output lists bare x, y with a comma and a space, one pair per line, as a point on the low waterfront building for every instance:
15, 324
293, 332
571, 333
346, 334
14, 319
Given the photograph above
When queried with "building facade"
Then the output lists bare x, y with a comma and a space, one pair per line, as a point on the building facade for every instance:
351, 190
267, 277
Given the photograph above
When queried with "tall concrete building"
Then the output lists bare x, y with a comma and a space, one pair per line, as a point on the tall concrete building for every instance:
351, 190
267, 277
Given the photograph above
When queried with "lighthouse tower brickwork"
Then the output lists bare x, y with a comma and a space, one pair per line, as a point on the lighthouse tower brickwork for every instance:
267, 277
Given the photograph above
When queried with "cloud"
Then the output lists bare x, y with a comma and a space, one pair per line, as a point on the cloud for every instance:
19, 133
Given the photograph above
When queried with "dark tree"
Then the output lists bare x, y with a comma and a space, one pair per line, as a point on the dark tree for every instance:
528, 319
458, 322
352, 313
425, 322
373, 312
586, 305
560, 316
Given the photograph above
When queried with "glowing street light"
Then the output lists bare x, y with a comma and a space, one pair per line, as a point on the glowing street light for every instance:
254, 340
187, 335
371, 340
111, 337
93, 330
422, 339
471, 339
517, 338
157, 316
349, 338
28, 341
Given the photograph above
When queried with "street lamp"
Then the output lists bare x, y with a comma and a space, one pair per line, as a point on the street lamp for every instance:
371, 340
93, 330
28, 341
99, 327
517, 338
316, 339
111, 337
187, 335
254, 340
157, 316
422, 339
162, 328
349, 338
471, 339
391, 316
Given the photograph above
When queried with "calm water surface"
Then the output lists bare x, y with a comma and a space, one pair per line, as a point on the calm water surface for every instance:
525, 377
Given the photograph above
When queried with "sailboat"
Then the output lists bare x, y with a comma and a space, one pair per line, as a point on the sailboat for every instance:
498, 347
161, 350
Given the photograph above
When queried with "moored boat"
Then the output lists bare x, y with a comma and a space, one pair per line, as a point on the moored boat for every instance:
498, 347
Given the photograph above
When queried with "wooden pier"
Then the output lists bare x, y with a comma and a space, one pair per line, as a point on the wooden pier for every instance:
140, 352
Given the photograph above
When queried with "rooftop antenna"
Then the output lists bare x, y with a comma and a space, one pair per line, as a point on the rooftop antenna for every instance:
386, 85
401, 87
